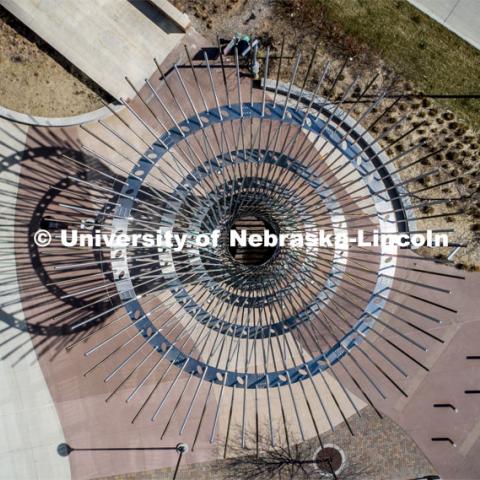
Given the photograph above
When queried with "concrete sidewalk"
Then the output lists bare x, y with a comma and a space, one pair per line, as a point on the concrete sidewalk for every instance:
106, 39
29, 424
460, 16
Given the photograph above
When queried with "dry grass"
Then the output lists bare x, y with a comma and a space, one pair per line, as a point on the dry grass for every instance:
418, 48
36, 80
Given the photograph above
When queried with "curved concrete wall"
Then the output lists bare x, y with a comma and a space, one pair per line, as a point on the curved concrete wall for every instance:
38, 121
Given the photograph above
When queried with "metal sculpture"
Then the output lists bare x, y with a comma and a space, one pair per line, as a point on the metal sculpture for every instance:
249, 331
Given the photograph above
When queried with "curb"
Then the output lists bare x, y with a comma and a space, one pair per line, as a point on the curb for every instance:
38, 121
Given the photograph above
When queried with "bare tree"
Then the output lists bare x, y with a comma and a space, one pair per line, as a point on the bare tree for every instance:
286, 459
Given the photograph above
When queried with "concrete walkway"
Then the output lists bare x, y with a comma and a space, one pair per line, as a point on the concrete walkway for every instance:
106, 39
29, 424
460, 16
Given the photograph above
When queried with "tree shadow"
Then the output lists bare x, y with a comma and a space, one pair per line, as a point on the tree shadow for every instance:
287, 457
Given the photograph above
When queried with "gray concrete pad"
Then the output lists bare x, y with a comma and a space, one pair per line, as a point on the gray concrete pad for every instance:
29, 424
106, 39
460, 16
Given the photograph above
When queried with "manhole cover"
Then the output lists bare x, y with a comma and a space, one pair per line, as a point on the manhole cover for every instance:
329, 459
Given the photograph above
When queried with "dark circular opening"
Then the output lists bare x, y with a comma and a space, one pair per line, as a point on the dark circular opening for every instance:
250, 255
329, 460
